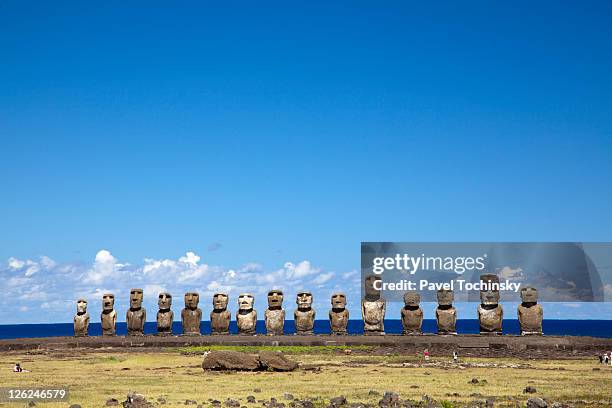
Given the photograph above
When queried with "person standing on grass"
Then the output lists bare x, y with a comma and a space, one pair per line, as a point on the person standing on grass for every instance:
426, 355
455, 357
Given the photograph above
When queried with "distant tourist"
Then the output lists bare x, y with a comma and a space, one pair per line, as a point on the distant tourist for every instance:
455, 356
601, 359
605, 358
426, 354
17, 368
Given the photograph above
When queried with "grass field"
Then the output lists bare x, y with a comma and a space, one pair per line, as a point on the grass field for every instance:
176, 375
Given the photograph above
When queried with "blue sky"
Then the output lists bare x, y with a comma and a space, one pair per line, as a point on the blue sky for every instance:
275, 133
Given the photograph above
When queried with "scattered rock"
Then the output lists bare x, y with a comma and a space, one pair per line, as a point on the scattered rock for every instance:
304, 404
474, 381
373, 392
161, 400
530, 390
257, 390
288, 396
414, 386
389, 400
338, 401
230, 403
251, 399
75, 406
31, 404
191, 402
112, 402
536, 403
136, 401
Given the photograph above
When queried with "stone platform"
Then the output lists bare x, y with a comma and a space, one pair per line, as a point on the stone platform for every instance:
466, 344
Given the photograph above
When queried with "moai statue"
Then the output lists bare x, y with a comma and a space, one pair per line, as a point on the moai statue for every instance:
490, 312
136, 315
304, 315
275, 315
412, 314
446, 314
220, 317
530, 313
373, 307
165, 315
338, 315
81, 319
109, 315
246, 317
191, 315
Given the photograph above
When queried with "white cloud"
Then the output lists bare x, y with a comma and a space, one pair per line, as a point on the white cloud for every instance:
322, 278
105, 266
15, 263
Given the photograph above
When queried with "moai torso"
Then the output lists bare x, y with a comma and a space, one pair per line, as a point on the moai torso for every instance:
338, 315
412, 314
136, 315
373, 307
446, 315
191, 315
530, 313
446, 318
275, 315
220, 317
81, 319
304, 315
109, 315
246, 317
490, 312
165, 316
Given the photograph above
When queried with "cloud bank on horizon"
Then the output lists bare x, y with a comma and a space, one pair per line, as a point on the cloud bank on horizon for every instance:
45, 291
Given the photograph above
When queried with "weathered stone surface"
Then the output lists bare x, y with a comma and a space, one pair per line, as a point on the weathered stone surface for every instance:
136, 401
230, 360
490, 312
246, 317
373, 308
108, 316
530, 313
276, 361
412, 314
338, 401
529, 390
446, 314
304, 315
136, 315
81, 319
238, 361
220, 317
112, 402
339, 314
191, 315
275, 315
536, 403
390, 400
165, 315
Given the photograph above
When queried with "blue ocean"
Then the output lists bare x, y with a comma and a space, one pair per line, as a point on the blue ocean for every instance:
594, 328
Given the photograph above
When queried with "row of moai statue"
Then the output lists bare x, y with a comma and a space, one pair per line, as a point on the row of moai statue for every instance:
373, 308
191, 315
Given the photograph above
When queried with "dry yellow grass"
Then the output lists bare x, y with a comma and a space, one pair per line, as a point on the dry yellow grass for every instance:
95, 377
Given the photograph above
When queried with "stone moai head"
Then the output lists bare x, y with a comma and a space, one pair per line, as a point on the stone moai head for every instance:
412, 299
164, 301
220, 301
81, 306
370, 286
304, 300
135, 298
445, 297
108, 302
275, 299
338, 301
490, 296
245, 301
529, 295
191, 300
